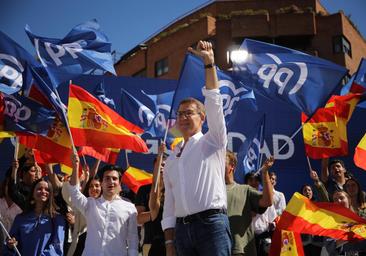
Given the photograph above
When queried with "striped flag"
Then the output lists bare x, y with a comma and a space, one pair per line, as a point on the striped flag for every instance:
135, 178
94, 124
107, 155
56, 144
360, 153
323, 219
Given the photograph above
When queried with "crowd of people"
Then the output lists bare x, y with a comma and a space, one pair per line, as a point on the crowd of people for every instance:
192, 207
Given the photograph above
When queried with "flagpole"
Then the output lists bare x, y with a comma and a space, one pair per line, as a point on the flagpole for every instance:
126, 156
67, 122
296, 132
16, 151
9, 237
309, 165
160, 159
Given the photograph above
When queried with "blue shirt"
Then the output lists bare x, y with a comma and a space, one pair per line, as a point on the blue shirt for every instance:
38, 235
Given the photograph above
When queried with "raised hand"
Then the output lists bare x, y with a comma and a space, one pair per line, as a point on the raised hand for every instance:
268, 163
314, 176
205, 51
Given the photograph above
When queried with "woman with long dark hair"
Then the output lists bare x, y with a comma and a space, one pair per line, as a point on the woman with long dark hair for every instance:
353, 188
39, 230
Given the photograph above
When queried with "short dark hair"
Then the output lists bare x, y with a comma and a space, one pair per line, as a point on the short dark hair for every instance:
250, 175
110, 167
200, 107
335, 161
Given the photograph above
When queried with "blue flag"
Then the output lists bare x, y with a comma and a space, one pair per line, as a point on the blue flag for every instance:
304, 81
192, 79
249, 156
83, 50
150, 112
99, 93
14, 70
49, 92
359, 82
22, 114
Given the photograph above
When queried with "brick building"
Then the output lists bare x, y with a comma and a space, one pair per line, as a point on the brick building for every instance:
304, 25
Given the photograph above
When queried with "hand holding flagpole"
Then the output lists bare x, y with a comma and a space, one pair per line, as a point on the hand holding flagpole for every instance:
9, 237
160, 157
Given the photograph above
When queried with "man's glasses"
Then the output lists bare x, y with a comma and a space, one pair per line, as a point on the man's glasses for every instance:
186, 114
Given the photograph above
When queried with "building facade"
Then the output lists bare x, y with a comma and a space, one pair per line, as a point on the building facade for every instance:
304, 25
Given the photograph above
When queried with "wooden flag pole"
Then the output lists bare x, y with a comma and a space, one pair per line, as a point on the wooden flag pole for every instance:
16, 151
67, 122
9, 237
126, 156
160, 158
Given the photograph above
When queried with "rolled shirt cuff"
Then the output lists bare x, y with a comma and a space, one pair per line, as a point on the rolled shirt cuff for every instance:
168, 222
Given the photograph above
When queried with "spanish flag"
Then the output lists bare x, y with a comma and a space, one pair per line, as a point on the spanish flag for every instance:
286, 243
107, 155
56, 144
94, 124
360, 153
323, 219
325, 135
135, 178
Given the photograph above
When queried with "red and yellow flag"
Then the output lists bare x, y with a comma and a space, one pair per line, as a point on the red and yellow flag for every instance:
56, 144
360, 153
94, 124
325, 134
323, 219
286, 243
135, 178
107, 155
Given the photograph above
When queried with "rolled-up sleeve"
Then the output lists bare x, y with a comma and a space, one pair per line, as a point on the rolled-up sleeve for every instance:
215, 117
78, 200
169, 218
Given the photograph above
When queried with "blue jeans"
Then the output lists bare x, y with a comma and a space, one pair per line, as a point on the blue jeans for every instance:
205, 236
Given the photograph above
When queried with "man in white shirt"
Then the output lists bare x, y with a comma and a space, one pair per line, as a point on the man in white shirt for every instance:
111, 221
194, 217
279, 201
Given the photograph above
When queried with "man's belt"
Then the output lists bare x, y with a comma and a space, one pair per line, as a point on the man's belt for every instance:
199, 215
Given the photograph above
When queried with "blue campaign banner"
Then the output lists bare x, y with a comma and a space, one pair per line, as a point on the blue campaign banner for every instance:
14, 66
281, 123
83, 50
248, 155
22, 114
282, 74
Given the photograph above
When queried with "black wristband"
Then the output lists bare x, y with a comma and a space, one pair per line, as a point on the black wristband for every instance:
211, 65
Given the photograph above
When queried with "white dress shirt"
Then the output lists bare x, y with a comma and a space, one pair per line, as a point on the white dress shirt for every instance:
260, 222
279, 201
112, 225
195, 181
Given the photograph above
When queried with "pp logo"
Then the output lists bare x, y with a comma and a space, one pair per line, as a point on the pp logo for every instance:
283, 76
11, 70
227, 89
146, 116
251, 158
57, 51
15, 110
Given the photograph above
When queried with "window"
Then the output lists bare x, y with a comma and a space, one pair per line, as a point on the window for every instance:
141, 73
342, 45
161, 67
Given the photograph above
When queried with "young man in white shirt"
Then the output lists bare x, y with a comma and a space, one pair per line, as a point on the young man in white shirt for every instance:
194, 217
111, 221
